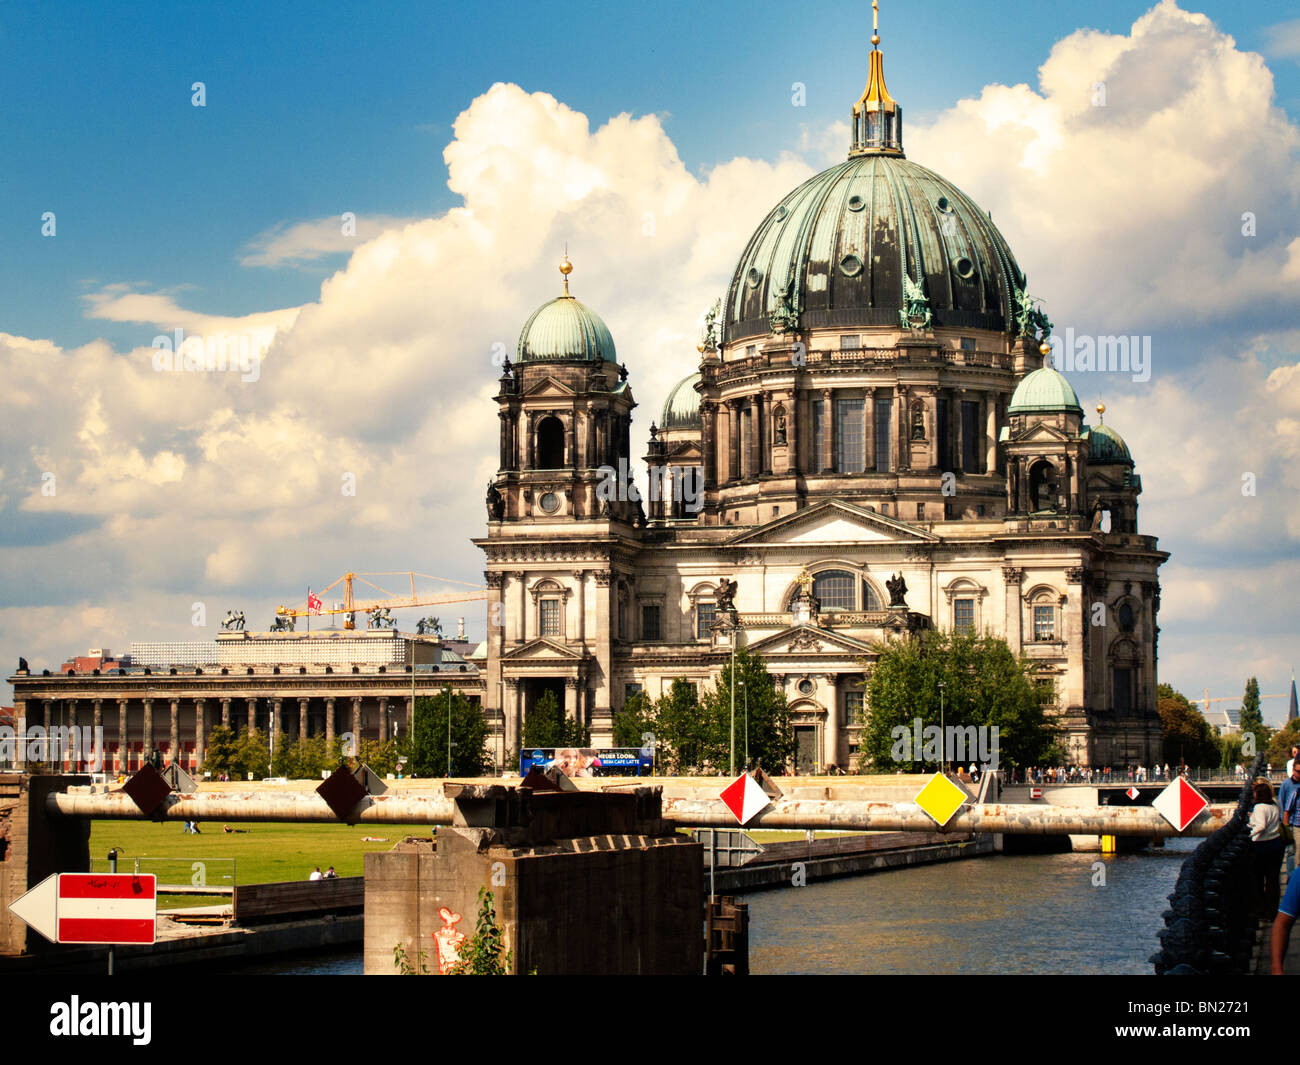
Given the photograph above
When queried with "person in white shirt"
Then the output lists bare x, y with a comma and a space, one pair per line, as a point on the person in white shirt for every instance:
316, 875
1268, 845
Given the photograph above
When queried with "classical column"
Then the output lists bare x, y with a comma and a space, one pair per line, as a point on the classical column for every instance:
356, 725
252, 714
831, 740
521, 631
511, 713
174, 734
527, 427
277, 723
97, 733
225, 712
383, 719
898, 423
733, 440
754, 461
709, 442
147, 751
302, 717
329, 722
200, 731
123, 737
504, 417
580, 575
763, 431
410, 714
990, 433
827, 457
68, 756
1012, 576
49, 715
571, 698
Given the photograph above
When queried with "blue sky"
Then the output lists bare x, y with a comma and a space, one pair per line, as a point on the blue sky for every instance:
173, 215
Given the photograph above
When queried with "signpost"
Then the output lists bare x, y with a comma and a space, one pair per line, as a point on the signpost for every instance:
102, 908
1180, 804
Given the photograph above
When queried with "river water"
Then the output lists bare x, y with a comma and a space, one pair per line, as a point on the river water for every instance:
1000, 914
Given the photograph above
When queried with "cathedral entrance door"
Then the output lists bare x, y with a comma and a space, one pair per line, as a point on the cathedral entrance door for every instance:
805, 757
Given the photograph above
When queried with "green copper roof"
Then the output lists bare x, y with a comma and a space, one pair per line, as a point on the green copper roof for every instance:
564, 328
1106, 445
682, 407
834, 254
1045, 390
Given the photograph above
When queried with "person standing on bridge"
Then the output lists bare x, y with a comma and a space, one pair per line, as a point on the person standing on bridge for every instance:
1268, 845
1288, 798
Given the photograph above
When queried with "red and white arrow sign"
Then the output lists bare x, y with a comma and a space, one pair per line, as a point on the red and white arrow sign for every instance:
92, 908
744, 798
1180, 803
1132, 793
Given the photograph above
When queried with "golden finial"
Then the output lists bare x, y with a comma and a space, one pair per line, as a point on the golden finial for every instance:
1101, 410
566, 268
1044, 349
804, 580
700, 347
875, 23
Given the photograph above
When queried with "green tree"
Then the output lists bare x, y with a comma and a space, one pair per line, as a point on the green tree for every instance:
379, 755
634, 721
1188, 737
425, 747
1252, 718
222, 754
545, 725
1278, 752
761, 717
985, 686
681, 731
254, 753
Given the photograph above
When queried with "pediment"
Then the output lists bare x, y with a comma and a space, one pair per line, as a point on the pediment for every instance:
549, 386
541, 650
834, 522
808, 639
1041, 433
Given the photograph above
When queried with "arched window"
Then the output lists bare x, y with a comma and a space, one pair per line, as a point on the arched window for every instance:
870, 600
550, 443
834, 590
1042, 486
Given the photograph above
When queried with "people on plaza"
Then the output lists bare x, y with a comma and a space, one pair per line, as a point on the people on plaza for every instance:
330, 874
1288, 801
316, 874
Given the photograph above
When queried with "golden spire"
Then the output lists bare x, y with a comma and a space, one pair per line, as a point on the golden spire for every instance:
566, 268
877, 118
1101, 410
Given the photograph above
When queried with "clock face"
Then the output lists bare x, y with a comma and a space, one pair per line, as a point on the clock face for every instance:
550, 503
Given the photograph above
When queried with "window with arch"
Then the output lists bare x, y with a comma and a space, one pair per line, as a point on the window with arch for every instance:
550, 443
1042, 486
840, 589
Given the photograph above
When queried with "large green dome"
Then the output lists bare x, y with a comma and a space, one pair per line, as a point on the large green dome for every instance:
565, 328
835, 251
682, 407
1045, 391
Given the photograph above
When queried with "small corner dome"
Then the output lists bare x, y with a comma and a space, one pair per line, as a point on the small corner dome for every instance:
1045, 391
565, 328
1106, 445
682, 407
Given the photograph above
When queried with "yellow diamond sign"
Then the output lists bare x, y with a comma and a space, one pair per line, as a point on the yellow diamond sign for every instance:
941, 798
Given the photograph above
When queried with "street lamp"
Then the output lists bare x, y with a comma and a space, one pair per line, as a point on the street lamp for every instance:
448, 731
943, 744
746, 691
733, 699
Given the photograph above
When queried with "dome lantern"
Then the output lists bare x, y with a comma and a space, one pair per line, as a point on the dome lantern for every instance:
876, 120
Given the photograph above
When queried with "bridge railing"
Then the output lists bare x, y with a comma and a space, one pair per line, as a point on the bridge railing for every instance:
1211, 923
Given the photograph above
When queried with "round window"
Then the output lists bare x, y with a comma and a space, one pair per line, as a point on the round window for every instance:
780, 213
755, 277
806, 686
850, 266
965, 268
943, 204
856, 203
550, 503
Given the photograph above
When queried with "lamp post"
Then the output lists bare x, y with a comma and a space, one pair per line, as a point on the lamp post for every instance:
733, 698
943, 746
746, 691
448, 731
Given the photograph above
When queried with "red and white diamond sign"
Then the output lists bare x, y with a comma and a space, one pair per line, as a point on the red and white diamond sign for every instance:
1180, 803
1133, 793
744, 798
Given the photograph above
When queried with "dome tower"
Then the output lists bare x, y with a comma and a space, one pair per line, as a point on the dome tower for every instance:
866, 348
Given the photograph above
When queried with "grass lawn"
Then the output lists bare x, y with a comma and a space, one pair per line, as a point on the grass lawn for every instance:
265, 853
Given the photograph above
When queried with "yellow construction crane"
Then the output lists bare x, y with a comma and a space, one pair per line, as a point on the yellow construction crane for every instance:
351, 605
1230, 699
